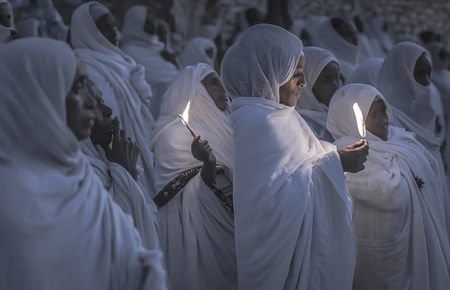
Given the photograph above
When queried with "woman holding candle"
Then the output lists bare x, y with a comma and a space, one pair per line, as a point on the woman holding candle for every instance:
192, 178
399, 207
292, 209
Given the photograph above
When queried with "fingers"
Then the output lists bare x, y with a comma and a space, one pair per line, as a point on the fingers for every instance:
116, 123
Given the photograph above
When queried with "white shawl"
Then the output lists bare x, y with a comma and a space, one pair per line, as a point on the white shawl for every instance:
126, 193
290, 198
367, 72
381, 40
146, 49
314, 112
121, 82
196, 230
401, 229
195, 52
345, 52
60, 228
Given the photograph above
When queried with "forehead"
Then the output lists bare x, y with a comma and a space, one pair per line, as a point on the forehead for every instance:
301, 61
331, 67
210, 77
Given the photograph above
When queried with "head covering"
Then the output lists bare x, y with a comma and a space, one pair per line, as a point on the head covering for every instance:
367, 72
435, 49
205, 119
97, 10
297, 27
380, 39
396, 82
387, 184
133, 27
53, 208
30, 27
195, 52
248, 72
345, 52
274, 150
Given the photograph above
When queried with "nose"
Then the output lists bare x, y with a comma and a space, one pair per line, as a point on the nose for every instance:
301, 82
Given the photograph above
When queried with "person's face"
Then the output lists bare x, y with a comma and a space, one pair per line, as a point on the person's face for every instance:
5, 15
377, 121
215, 89
422, 70
103, 129
290, 91
327, 83
149, 25
348, 31
80, 107
108, 27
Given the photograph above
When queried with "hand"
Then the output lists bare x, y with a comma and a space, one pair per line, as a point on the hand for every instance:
354, 156
202, 151
124, 151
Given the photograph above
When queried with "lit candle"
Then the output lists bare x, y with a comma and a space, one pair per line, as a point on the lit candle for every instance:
359, 120
185, 118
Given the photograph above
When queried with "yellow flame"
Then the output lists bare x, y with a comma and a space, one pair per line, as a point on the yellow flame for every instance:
359, 120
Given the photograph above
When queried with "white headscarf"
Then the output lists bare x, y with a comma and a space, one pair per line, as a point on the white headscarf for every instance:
316, 59
277, 191
195, 52
367, 72
396, 82
171, 140
131, 91
30, 27
381, 40
412, 245
297, 27
346, 53
61, 230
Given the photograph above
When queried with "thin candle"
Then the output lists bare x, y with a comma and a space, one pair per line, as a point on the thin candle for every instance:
185, 118
359, 120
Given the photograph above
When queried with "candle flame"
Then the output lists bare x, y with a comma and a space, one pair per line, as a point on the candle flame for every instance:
359, 120
185, 115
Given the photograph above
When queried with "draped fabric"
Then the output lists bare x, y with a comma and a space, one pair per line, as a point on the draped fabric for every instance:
290, 197
367, 72
126, 193
121, 82
309, 107
380, 39
61, 228
196, 230
146, 50
400, 228
345, 52
198, 50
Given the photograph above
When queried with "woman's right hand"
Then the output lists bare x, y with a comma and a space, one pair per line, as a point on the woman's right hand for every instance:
201, 151
124, 151
354, 156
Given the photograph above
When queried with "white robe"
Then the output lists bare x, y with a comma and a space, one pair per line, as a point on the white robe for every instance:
196, 229
292, 210
146, 49
401, 229
121, 82
60, 228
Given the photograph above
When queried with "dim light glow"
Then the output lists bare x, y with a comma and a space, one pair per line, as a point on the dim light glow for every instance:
359, 120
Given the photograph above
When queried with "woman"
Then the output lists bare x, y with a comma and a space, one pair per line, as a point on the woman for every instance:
113, 157
398, 199
198, 50
61, 228
193, 180
141, 42
340, 38
322, 79
95, 37
289, 192
404, 81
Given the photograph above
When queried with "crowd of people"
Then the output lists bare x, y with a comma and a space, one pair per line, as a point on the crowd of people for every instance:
314, 157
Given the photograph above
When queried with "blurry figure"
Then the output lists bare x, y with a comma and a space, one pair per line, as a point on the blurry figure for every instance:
7, 27
367, 72
198, 50
378, 33
31, 27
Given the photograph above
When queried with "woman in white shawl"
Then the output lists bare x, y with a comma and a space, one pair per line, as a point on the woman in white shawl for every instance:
292, 209
322, 81
404, 80
198, 50
146, 49
195, 215
7, 28
367, 72
340, 38
120, 80
61, 229
398, 199
378, 33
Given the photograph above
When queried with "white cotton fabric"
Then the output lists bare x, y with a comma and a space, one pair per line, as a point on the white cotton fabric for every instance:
146, 50
290, 198
400, 229
345, 52
121, 82
297, 27
195, 52
30, 27
309, 107
196, 230
367, 72
171, 140
126, 193
97, 11
61, 229
381, 41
